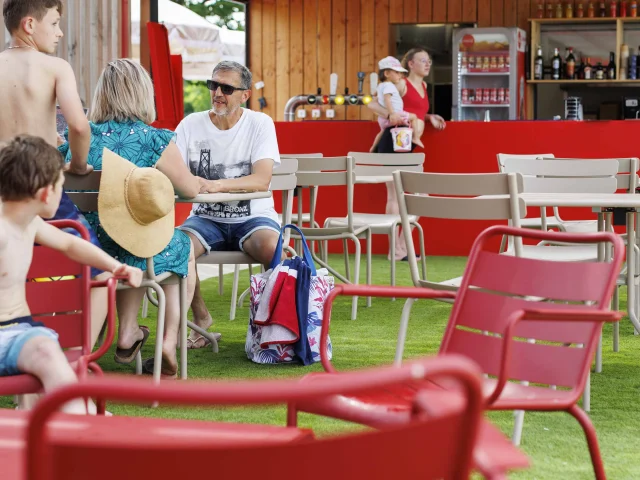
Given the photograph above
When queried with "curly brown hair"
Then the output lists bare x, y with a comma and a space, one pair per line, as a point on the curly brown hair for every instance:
27, 164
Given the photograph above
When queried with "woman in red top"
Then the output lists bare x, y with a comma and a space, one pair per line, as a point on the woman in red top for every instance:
413, 90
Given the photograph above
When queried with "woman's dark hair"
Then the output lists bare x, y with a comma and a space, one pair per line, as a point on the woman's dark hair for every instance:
410, 54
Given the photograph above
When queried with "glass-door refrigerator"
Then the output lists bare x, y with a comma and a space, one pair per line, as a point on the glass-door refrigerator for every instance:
489, 74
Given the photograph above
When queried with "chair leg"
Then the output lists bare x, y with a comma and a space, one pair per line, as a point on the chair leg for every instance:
402, 333
592, 440
345, 253
616, 325
598, 368
234, 292
220, 279
162, 302
149, 296
184, 308
242, 296
369, 264
145, 307
392, 255
139, 363
518, 424
356, 278
586, 395
423, 255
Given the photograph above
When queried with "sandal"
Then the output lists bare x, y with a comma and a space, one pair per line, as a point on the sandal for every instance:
147, 369
200, 341
128, 355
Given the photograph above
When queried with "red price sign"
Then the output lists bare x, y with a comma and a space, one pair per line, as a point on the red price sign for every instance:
468, 41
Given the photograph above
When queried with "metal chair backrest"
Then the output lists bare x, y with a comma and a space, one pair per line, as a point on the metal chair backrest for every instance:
561, 176
504, 156
151, 451
327, 171
58, 285
626, 175
284, 179
480, 196
496, 288
382, 164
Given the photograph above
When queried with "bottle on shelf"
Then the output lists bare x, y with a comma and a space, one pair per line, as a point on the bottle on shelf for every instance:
611, 68
602, 9
624, 62
568, 9
633, 8
580, 70
579, 9
556, 65
599, 71
623, 8
559, 10
550, 12
570, 66
538, 65
613, 8
587, 73
540, 9
632, 66
591, 10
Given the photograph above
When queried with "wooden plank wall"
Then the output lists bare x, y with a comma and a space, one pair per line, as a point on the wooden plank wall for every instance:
91, 40
295, 44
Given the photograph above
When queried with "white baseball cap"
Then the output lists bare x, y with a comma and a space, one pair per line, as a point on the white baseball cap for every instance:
391, 63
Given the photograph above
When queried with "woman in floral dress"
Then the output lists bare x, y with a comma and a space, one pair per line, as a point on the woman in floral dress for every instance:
122, 109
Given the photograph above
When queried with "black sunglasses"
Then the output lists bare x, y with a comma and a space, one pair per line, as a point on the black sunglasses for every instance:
226, 89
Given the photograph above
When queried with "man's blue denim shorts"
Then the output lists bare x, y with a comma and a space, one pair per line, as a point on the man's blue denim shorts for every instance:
218, 236
12, 339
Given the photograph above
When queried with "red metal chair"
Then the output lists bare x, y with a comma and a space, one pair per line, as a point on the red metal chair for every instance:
491, 306
69, 300
429, 445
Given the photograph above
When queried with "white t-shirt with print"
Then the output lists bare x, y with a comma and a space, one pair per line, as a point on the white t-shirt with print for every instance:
217, 154
396, 100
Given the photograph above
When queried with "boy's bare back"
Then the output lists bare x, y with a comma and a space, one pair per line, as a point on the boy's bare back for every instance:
28, 87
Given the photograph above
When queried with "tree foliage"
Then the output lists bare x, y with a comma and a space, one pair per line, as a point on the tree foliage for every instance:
224, 10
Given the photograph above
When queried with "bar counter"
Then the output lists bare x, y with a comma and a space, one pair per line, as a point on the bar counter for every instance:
463, 147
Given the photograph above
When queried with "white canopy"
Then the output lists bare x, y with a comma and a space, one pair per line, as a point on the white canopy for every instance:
201, 43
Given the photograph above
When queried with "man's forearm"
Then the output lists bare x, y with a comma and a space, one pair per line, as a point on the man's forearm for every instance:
251, 182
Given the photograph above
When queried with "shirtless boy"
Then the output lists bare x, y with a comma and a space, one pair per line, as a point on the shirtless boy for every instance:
31, 82
30, 188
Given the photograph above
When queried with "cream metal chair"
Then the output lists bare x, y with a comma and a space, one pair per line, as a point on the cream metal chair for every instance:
306, 218
83, 191
284, 180
383, 165
334, 171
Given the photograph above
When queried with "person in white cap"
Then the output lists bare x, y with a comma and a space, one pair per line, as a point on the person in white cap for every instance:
391, 73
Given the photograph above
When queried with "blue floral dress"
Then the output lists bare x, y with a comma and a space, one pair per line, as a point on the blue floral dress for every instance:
142, 145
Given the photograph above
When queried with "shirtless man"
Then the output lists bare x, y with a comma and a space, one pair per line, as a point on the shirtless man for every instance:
30, 188
31, 82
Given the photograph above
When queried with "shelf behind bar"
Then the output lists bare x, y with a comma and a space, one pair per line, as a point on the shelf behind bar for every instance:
585, 20
617, 82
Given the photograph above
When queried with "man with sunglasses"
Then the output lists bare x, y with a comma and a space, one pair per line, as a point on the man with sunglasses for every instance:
233, 148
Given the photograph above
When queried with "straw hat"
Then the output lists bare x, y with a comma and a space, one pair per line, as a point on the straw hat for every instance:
135, 206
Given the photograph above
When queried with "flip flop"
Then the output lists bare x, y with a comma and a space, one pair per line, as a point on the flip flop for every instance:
127, 355
147, 369
192, 343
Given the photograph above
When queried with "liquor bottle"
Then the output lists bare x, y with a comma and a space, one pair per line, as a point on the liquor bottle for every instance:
540, 9
602, 10
568, 9
613, 9
538, 67
570, 66
580, 72
611, 68
599, 71
580, 9
550, 12
559, 9
591, 10
588, 70
556, 64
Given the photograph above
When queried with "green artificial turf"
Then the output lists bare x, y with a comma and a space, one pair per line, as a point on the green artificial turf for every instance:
554, 441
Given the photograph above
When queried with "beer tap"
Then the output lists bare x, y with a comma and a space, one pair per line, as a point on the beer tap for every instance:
333, 88
360, 82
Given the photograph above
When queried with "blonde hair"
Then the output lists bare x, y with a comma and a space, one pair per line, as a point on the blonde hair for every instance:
124, 92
